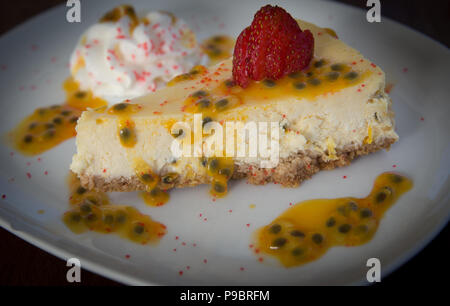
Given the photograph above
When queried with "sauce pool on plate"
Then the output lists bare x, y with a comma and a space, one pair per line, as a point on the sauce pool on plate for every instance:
306, 231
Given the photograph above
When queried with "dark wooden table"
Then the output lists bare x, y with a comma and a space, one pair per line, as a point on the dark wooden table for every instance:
23, 264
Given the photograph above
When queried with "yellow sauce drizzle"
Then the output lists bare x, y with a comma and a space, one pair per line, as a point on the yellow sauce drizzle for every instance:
304, 232
195, 72
91, 210
49, 126
218, 48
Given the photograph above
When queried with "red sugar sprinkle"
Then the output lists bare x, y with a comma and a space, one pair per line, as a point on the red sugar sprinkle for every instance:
174, 250
260, 259
46, 172
242, 269
205, 260
373, 65
206, 219
183, 243
248, 224
194, 245
230, 210
181, 273
422, 118
29, 175
104, 170
176, 237
250, 246
127, 256
405, 69
344, 177
3, 196
28, 163
394, 166
188, 267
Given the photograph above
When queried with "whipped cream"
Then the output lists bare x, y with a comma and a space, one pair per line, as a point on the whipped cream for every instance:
124, 58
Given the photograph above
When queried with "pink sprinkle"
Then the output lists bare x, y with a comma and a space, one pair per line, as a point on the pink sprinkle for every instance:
127, 256
174, 250
183, 243
39, 159
188, 267
29, 175
28, 164
176, 237
230, 211
394, 166
53, 59
405, 70
194, 245
3, 196
181, 273
373, 65
422, 119
206, 219
344, 177
242, 268
11, 154
33, 87
205, 260
46, 172
248, 224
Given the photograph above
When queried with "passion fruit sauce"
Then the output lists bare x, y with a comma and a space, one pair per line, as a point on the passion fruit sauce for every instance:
47, 127
306, 231
93, 211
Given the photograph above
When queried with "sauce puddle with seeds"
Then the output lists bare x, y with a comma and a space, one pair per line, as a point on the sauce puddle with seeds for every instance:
49, 126
218, 48
93, 211
304, 232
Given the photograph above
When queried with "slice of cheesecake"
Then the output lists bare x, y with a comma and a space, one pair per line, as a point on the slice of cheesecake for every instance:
327, 115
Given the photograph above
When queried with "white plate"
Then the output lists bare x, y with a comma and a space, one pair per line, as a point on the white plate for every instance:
33, 64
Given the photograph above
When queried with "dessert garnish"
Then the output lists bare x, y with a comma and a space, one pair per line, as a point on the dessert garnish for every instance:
271, 47
308, 229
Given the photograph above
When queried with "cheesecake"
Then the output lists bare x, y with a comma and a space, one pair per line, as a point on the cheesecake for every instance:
325, 116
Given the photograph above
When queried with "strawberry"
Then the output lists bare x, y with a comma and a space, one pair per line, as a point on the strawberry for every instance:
271, 47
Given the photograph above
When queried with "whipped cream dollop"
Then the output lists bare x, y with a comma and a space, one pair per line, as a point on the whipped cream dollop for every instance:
123, 57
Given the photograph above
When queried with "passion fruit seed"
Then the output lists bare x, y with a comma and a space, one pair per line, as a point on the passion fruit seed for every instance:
206, 120
309, 74
331, 222
351, 75
73, 119
219, 187
125, 134
32, 126
155, 192
229, 83
147, 177
396, 178
332, 76
204, 161
139, 229
85, 207
278, 243
380, 197
319, 63
42, 111
56, 106
352, 205
204, 103
314, 82
214, 164
49, 126
80, 94
275, 229
120, 107
317, 238
269, 83
297, 252
199, 94
344, 228
221, 104
66, 113
169, 178
297, 233
81, 190
108, 219
28, 139
49, 134
299, 85
226, 172
121, 217
337, 67
58, 120
365, 213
